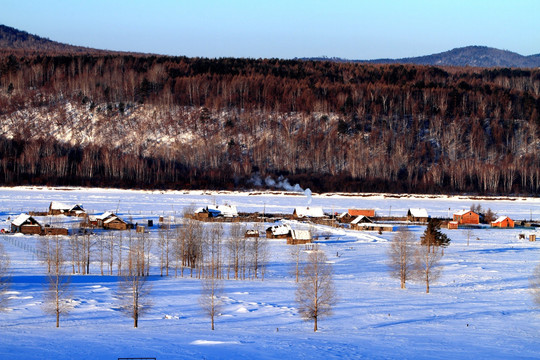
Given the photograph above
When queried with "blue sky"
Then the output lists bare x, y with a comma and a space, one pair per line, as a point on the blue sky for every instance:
280, 28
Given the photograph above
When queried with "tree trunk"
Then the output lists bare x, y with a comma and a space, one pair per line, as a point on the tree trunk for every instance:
212, 321
315, 324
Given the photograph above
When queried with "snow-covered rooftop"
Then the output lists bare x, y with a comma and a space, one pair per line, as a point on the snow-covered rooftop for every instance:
283, 229
418, 212
301, 234
309, 211
361, 219
21, 219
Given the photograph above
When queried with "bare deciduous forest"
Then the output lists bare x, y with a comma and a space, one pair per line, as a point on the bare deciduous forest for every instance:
175, 122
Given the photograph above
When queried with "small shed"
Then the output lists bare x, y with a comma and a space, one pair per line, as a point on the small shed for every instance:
308, 212
298, 237
25, 224
278, 231
453, 225
417, 215
467, 217
503, 222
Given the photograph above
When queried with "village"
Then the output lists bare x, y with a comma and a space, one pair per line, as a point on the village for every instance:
359, 219
263, 238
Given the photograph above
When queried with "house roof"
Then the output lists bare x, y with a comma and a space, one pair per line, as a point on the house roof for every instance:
463, 212
105, 215
301, 234
309, 211
23, 218
280, 229
361, 219
56, 205
501, 219
224, 210
113, 218
358, 212
418, 212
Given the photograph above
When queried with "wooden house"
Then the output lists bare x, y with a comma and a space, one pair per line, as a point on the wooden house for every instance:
115, 223
26, 224
345, 217
308, 212
417, 215
358, 212
503, 222
453, 225
298, 237
58, 208
467, 217
278, 231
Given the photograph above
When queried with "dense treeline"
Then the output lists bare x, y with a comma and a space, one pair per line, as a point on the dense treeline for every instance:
329, 126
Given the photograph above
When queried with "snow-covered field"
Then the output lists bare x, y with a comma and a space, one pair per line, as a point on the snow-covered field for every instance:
480, 307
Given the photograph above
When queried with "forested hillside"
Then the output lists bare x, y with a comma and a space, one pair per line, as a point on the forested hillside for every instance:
174, 122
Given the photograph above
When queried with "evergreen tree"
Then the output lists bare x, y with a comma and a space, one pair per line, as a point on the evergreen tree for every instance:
433, 235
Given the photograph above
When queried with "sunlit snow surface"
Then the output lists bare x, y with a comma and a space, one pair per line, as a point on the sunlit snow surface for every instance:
480, 308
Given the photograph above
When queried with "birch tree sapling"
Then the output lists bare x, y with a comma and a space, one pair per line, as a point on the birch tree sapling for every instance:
316, 294
212, 285
133, 289
401, 256
57, 296
427, 263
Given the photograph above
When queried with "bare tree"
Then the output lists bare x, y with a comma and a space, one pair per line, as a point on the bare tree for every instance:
210, 301
316, 294
133, 290
401, 256
4, 278
468, 232
165, 244
427, 263
57, 297
235, 245
212, 285
44, 252
295, 252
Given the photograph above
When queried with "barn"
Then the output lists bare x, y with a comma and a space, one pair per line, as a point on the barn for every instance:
467, 217
503, 222
25, 224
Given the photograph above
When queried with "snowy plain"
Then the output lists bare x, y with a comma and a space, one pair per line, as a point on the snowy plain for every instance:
481, 306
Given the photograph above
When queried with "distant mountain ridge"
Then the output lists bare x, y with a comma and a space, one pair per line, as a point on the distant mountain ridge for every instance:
12, 39
478, 56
